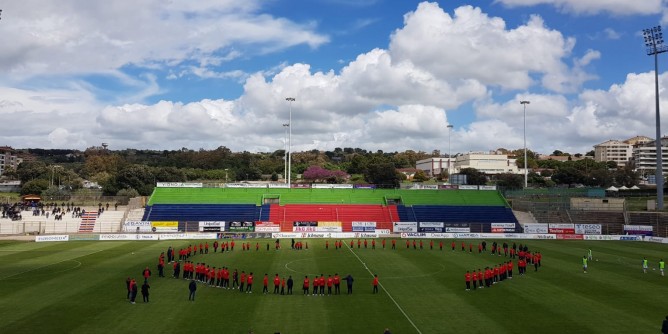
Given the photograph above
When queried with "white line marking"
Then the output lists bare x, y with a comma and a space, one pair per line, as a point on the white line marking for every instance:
388, 294
50, 264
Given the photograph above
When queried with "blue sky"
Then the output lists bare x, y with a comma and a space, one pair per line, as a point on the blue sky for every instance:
377, 74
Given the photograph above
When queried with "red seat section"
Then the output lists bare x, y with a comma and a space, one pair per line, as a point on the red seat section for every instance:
346, 214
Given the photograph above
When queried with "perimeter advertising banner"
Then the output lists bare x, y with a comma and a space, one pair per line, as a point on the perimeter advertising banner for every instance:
536, 228
364, 226
137, 226
401, 227
588, 229
433, 227
561, 228
503, 227
165, 227
639, 229
267, 227
212, 226
242, 227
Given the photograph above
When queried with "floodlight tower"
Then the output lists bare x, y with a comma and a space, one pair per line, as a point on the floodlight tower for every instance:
290, 100
526, 173
654, 43
285, 152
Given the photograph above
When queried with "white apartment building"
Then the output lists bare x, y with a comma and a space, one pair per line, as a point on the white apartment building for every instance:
644, 156
619, 151
7, 159
488, 163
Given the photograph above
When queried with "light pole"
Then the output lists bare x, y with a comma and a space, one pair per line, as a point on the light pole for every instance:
526, 174
654, 43
290, 100
226, 175
285, 152
449, 152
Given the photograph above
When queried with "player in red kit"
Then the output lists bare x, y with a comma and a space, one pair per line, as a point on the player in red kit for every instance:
306, 284
467, 279
277, 282
375, 284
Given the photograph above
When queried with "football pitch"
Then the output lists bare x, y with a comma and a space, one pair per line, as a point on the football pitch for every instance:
79, 287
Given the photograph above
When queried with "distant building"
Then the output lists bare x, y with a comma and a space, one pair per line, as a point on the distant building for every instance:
644, 157
485, 162
8, 159
619, 151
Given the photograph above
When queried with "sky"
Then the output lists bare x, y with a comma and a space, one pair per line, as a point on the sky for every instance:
387, 75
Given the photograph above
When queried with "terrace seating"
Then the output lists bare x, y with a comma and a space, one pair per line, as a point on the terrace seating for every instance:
345, 214
202, 212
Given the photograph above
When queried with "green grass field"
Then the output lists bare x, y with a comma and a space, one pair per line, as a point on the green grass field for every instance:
79, 287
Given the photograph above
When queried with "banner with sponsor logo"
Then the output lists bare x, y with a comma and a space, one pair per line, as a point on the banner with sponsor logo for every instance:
448, 187
187, 236
179, 185
602, 237
284, 235
165, 227
487, 187
300, 185
561, 228
304, 223
84, 237
536, 228
399, 227
49, 238
241, 227
267, 227
657, 240
212, 226
364, 226
630, 237
570, 237
329, 229
383, 231
639, 229
503, 227
137, 226
279, 185
304, 228
457, 229
431, 227
331, 186
467, 187
365, 235
588, 229
408, 235
364, 186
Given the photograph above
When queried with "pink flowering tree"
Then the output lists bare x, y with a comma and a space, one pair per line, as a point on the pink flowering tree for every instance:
319, 174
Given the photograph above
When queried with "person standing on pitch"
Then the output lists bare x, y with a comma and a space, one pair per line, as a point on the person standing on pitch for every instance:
589, 255
349, 281
144, 291
192, 287
375, 284
277, 283
306, 285
584, 264
664, 327
265, 284
133, 288
337, 284
662, 266
127, 285
146, 273
645, 265
290, 284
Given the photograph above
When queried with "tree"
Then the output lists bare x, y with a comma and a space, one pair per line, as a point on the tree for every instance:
444, 175
138, 177
420, 176
510, 181
34, 187
383, 175
474, 177
31, 170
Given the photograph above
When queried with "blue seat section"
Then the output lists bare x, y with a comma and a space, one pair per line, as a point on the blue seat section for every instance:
263, 212
476, 215
203, 212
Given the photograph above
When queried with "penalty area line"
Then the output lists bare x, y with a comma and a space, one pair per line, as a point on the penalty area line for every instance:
387, 292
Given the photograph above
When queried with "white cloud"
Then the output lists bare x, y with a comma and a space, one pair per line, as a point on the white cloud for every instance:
615, 7
472, 45
67, 37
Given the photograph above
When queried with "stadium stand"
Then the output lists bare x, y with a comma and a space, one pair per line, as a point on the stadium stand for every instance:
286, 205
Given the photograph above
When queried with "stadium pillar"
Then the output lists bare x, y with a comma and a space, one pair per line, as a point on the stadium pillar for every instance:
449, 153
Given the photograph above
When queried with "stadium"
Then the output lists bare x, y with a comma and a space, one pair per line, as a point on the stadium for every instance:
421, 244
